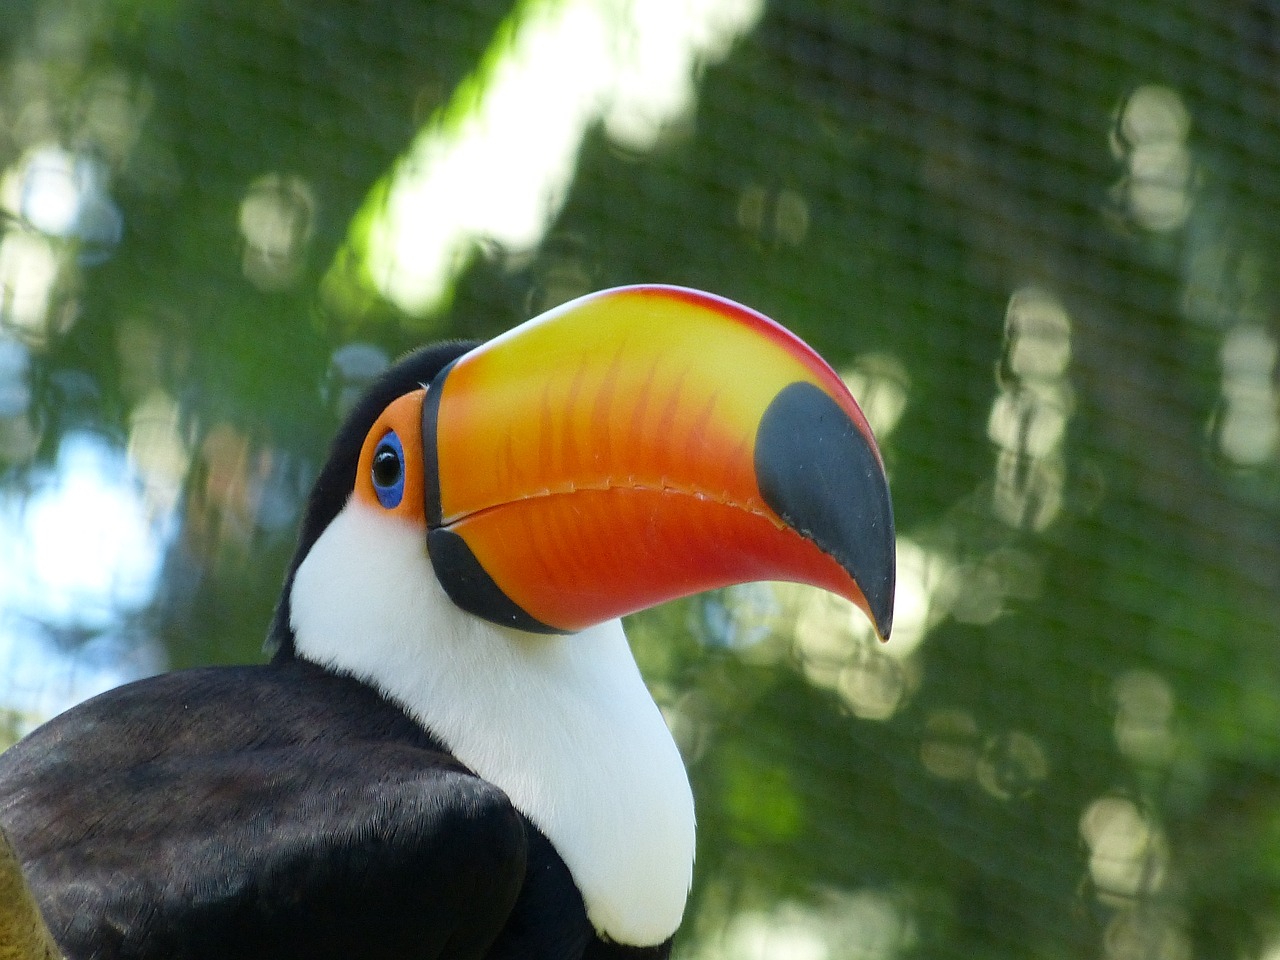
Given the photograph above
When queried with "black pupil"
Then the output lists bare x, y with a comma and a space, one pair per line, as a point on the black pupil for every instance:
386, 467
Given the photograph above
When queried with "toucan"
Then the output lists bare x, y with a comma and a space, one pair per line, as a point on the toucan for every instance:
451, 753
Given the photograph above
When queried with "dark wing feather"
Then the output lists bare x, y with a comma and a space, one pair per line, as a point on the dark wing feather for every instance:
313, 820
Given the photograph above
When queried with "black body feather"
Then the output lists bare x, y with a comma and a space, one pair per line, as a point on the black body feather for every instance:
276, 812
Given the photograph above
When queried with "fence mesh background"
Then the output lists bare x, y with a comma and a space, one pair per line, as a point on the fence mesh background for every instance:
1039, 239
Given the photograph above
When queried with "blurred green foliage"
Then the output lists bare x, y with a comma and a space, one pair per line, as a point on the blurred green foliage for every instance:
1040, 239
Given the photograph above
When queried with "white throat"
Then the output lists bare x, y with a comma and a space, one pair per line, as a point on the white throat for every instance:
564, 725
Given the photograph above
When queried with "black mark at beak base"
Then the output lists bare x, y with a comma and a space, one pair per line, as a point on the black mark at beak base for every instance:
469, 585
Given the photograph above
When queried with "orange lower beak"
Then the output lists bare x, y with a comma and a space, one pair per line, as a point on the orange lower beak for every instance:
642, 444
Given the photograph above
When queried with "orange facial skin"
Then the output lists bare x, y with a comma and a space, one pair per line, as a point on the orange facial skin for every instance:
404, 416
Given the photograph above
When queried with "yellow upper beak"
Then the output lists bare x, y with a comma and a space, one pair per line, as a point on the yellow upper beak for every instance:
645, 443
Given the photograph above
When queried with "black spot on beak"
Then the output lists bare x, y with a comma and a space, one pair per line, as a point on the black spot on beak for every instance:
821, 475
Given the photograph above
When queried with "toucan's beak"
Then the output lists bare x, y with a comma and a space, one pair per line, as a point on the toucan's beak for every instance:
643, 444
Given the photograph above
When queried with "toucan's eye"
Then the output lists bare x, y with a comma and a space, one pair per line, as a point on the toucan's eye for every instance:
388, 471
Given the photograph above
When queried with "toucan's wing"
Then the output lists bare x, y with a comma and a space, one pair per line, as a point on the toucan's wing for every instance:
275, 854
369, 848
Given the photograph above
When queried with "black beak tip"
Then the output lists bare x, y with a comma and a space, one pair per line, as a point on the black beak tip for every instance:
823, 477
881, 603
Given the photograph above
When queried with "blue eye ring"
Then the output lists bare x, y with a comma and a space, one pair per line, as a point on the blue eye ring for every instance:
387, 472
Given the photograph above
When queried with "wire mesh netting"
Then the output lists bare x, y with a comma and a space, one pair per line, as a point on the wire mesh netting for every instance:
1039, 240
